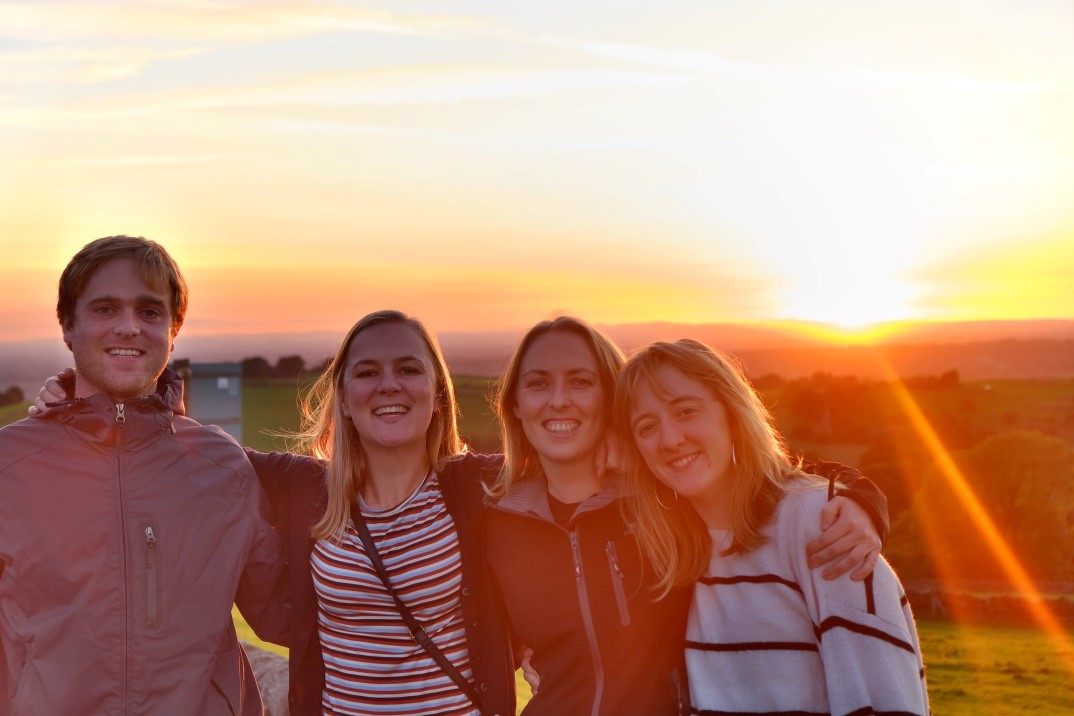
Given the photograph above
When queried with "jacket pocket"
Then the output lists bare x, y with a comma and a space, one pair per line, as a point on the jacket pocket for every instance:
618, 582
152, 576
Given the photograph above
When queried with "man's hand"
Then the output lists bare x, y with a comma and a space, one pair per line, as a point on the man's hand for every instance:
848, 541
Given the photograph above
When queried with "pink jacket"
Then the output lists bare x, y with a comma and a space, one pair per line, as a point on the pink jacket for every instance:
126, 533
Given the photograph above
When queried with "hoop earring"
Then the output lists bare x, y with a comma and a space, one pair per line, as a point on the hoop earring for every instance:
734, 462
672, 506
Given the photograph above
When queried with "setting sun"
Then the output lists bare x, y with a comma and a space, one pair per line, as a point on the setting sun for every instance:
485, 166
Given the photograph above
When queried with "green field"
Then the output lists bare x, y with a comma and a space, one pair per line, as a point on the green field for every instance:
971, 670
11, 413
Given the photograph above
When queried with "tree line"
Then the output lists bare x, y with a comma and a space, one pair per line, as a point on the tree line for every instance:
1015, 455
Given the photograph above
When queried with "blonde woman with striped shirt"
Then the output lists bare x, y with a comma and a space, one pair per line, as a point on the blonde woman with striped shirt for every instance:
721, 506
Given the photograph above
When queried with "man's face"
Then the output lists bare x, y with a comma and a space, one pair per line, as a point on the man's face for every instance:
120, 333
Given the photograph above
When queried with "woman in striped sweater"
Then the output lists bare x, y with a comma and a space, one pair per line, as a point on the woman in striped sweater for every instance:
720, 505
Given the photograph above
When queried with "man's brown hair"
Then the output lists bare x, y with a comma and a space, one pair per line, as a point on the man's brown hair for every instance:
156, 266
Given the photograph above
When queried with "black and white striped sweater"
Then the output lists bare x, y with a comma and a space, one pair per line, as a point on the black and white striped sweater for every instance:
768, 635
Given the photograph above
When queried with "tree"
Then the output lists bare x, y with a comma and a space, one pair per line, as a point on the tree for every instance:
290, 366
256, 368
12, 395
1025, 483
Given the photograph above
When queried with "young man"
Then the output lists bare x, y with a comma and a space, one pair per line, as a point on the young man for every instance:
127, 530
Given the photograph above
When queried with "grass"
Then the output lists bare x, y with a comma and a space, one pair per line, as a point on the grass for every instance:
11, 413
996, 670
971, 670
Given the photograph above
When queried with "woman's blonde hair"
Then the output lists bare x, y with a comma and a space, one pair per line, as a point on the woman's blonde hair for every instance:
520, 458
328, 434
676, 541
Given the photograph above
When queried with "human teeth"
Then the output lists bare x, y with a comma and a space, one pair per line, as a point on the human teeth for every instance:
561, 426
124, 352
388, 409
683, 461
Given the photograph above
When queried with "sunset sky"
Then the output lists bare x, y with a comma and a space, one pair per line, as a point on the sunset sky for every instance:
486, 163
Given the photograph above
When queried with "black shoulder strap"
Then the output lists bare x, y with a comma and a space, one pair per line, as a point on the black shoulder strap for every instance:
416, 630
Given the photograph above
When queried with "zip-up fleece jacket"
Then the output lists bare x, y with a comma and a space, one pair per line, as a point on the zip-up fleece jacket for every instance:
579, 596
296, 487
126, 533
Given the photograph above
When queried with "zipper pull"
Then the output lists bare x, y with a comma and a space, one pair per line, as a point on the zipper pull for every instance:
576, 554
609, 549
150, 545
120, 417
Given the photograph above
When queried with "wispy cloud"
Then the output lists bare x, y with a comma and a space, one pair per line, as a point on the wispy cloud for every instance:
704, 62
81, 64
143, 160
409, 86
209, 20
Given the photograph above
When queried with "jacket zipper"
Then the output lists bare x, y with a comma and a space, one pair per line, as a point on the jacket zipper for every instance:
676, 683
151, 576
587, 618
121, 418
618, 583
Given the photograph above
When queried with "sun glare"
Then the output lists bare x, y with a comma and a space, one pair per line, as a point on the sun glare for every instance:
849, 303
1016, 573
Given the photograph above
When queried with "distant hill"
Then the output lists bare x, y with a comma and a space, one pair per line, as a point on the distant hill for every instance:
977, 350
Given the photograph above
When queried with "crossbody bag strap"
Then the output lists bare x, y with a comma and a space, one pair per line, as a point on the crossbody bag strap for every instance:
416, 630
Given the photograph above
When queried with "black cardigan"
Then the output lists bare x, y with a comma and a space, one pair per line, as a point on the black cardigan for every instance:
296, 487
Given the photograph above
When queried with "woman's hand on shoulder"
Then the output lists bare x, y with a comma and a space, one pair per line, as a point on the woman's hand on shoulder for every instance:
51, 392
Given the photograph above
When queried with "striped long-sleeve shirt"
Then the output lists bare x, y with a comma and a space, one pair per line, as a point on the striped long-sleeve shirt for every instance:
767, 635
372, 664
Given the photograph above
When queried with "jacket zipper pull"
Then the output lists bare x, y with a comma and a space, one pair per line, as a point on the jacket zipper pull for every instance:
576, 553
618, 582
120, 417
151, 575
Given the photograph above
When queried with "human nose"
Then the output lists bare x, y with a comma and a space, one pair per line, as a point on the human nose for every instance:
670, 436
559, 397
127, 325
388, 382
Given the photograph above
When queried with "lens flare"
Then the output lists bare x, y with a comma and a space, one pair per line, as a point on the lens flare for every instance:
979, 517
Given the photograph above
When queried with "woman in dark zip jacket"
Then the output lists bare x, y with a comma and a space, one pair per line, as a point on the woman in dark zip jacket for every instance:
575, 586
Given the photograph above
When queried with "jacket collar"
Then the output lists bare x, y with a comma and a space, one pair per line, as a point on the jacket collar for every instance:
96, 419
529, 497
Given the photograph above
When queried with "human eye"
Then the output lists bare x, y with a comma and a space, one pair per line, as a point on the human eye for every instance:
645, 429
687, 411
152, 313
535, 384
102, 310
411, 369
583, 382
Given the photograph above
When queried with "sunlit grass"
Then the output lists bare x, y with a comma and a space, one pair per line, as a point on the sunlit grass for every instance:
970, 670
996, 670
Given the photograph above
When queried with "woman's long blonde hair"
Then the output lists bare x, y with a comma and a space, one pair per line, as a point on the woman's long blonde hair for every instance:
520, 459
328, 434
676, 541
